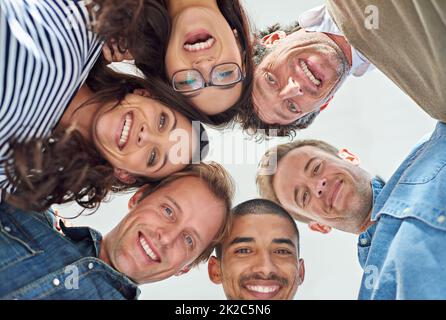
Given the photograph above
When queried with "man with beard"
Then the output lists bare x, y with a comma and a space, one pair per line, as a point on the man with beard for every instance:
259, 259
300, 67
401, 224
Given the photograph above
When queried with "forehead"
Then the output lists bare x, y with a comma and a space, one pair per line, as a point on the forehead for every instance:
195, 200
292, 166
262, 227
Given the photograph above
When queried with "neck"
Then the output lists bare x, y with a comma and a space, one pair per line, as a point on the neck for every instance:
74, 116
103, 253
343, 45
176, 6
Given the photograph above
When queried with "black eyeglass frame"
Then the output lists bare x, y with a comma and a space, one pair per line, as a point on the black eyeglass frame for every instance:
209, 83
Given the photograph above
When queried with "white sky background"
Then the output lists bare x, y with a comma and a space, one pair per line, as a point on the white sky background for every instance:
370, 116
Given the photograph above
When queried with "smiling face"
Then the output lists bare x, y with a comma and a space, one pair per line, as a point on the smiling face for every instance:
260, 259
202, 38
298, 77
144, 137
324, 189
166, 231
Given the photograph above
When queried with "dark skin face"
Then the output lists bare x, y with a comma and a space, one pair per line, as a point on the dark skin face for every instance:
259, 260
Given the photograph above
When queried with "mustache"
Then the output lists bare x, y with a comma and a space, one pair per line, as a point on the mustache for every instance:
257, 276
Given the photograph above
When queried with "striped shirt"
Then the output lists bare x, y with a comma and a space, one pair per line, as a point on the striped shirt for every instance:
46, 52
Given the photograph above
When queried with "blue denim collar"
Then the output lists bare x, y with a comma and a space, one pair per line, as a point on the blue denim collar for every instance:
377, 186
77, 234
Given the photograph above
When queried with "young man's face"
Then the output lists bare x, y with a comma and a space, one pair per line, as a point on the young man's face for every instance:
324, 189
166, 231
297, 77
259, 260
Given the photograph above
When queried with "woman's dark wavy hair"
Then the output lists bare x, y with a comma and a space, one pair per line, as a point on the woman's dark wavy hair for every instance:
64, 167
144, 26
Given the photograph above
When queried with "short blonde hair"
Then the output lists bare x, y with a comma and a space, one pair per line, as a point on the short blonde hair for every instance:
220, 183
265, 182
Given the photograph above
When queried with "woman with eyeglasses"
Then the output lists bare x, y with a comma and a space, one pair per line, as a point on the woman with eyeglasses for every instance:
65, 140
206, 54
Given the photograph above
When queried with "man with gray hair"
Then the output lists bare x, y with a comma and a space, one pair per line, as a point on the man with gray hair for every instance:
301, 67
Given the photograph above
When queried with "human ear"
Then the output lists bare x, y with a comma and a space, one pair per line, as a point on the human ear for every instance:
124, 176
301, 271
214, 270
273, 38
142, 93
319, 227
137, 196
349, 156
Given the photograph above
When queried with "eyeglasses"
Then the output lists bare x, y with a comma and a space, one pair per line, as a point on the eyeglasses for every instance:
222, 75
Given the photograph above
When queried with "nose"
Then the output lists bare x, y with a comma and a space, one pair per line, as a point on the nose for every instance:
147, 136
321, 187
291, 89
166, 236
204, 65
264, 264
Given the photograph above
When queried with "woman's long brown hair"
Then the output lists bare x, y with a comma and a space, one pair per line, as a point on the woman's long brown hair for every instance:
144, 26
64, 167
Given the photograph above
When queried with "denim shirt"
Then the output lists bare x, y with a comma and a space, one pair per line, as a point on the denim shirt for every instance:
38, 262
404, 253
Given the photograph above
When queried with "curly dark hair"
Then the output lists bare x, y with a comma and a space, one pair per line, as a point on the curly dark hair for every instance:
143, 27
248, 117
64, 167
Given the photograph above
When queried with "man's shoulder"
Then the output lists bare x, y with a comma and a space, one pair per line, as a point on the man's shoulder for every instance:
418, 188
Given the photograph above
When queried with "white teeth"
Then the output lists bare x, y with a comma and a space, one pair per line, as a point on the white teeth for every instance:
147, 249
309, 74
200, 45
263, 289
125, 130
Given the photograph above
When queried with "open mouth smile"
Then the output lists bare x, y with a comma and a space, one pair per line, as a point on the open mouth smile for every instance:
199, 41
148, 249
123, 136
309, 73
262, 289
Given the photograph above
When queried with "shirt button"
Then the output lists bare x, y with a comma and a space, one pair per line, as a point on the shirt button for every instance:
407, 210
90, 266
364, 242
7, 229
441, 219
56, 282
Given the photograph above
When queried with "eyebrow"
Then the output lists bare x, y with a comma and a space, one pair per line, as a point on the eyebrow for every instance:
195, 94
309, 164
284, 241
296, 193
196, 234
241, 240
166, 155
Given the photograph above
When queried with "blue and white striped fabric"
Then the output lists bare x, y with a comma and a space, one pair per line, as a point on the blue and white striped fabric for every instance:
46, 52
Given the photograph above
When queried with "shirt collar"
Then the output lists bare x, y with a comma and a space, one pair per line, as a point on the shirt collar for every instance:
377, 186
89, 242
80, 234
319, 20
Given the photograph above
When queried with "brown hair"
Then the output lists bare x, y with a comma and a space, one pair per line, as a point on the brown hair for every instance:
64, 167
143, 27
221, 185
265, 182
